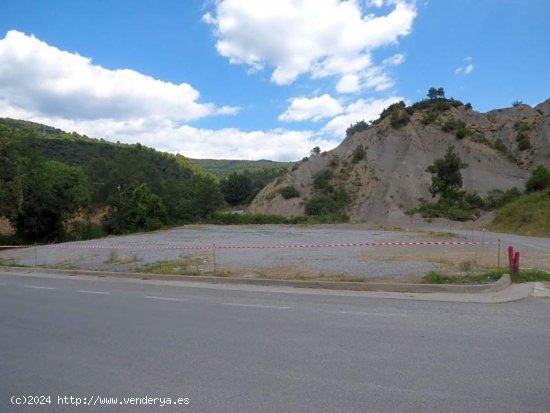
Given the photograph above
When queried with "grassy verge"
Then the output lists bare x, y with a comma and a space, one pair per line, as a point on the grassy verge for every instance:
434, 277
290, 276
9, 262
196, 266
528, 215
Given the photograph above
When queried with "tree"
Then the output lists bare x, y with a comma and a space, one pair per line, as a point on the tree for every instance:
315, 151
436, 93
198, 200
539, 179
51, 194
18, 157
446, 176
236, 188
133, 209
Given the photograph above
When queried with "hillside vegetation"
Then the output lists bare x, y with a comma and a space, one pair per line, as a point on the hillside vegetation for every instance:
52, 183
224, 167
528, 215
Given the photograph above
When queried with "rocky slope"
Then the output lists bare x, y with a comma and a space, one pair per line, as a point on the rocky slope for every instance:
501, 147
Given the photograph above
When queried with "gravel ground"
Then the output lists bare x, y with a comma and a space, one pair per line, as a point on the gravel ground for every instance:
126, 253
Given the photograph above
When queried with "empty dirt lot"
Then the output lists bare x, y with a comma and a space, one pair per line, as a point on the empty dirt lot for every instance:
278, 251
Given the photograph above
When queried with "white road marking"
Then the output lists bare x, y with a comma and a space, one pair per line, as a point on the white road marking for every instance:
93, 292
372, 314
39, 287
154, 297
274, 307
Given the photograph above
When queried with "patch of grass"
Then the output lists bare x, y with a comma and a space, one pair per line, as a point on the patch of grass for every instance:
167, 267
435, 277
291, 276
196, 266
8, 262
439, 234
115, 258
530, 276
527, 215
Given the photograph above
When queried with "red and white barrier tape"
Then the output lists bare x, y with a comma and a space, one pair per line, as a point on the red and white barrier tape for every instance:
234, 247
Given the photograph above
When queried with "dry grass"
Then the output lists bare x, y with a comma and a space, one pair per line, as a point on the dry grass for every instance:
457, 259
116, 258
302, 273
195, 265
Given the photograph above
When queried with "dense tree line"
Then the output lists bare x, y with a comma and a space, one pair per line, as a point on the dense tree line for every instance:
240, 188
48, 177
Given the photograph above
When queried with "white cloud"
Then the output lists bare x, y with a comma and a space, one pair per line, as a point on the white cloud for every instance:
164, 135
348, 84
231, 143
375, 3
317, 37
43, 84
362, 109
315, 109
467, 69
44, 80
374, 77
394, 60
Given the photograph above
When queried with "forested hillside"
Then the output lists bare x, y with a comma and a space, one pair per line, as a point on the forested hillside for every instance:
242, 180
52, 183
225, 167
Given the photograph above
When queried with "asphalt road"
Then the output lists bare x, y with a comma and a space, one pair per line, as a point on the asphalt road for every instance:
229, 350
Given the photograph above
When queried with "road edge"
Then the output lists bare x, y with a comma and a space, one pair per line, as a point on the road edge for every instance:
499, 285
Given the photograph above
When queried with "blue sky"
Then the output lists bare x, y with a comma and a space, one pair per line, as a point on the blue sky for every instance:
249, 79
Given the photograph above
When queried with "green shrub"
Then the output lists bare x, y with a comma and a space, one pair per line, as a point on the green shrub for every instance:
523, 141
472, 200
327, 203
399, 118
321, 180
429, 117
461, 133
392, 108
480, 138
497, 198
501, 147
358, 127
453, 124
522, 126
359, 153
289, 192
539, 179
